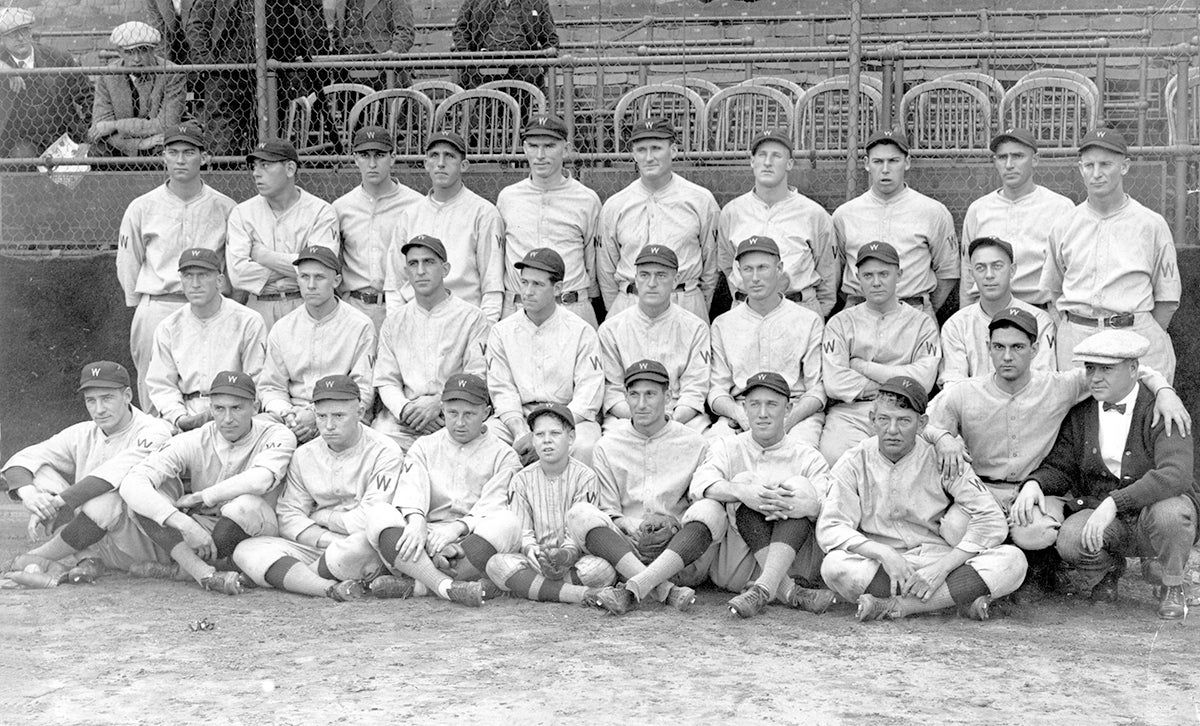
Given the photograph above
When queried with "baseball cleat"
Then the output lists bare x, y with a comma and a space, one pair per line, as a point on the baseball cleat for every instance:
230, 583
877, 608
681, 598
1029, 592
155, 570
617, 600
751, 602
387, 587
1106, 589
1173, 605
491, 590
346, 590
811, 600
85, 571
978, 609
466, 593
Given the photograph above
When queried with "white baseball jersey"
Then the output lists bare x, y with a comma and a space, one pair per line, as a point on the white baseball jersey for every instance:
542, 502
1120, 263
787, 341
566, 219
189, 352
677, 339
901, 342
555, 362
642, 475
366, 225
447, 481
204, 460
919, 227
344, 484
302, 350
729, 456
682, 216
1025, 224
156, 228
965, 342
472, 231
310, 221
802, 229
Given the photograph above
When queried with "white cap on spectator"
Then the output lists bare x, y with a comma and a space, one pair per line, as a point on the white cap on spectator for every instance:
14, 18
134, 34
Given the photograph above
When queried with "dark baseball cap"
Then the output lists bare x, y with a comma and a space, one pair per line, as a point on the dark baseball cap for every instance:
778, 136
545, 125
201, 257
895, 137
103, 374
557, 410
465, 387
335, 388
546, 260
1019, 135
188, 132
1104, 139
881, 251
757, 243
317, 253
1022, 320
658, 255
652, 128
423, 240
233, 383
771, 381
274, 150
447, 137
372, 137
909, 389
996, 242
647, 370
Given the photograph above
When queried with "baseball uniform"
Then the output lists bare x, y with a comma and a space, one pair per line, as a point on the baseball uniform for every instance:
419, 350
155, 229
1025, 224
683, 216
787, 340
1104, 265
566, 219
966, 342
309, 221
473, 233
189, 351
804, 232
366, 225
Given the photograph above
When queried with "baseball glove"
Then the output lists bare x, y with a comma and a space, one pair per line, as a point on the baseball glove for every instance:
556, 562
653, 535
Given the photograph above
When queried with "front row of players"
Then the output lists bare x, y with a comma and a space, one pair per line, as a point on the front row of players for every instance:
898, 525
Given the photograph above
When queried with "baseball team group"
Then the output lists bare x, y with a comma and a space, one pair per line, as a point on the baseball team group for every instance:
402, 394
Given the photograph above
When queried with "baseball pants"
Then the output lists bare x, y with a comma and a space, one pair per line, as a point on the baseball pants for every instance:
589, 571
251, 512
151, 310
375, 311
349, 558
587, 433
583, 518
692, 300
272, 310
386, 423
581, 307
807, 431
501, 528
1161, 356
846, 424
1002, 568
125, 542
1037, 535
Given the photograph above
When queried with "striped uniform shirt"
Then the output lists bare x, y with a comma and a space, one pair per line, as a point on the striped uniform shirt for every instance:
309, 221
448, 482
965, 342
900, 342
542, 502
641, 475
566, 219
676, 338
787, 340
366, 225
729, 456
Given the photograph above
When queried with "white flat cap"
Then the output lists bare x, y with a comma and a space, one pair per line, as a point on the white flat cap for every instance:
13, 18
1109, 347
134, 34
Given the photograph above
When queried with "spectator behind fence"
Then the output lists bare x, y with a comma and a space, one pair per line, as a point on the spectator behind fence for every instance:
503, 25
132, 109
36, 110
371, 27
169, 17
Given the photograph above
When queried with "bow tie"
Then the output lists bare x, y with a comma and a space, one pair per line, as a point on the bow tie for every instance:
1118, 407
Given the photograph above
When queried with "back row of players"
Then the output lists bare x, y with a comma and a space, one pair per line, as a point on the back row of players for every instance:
661, 241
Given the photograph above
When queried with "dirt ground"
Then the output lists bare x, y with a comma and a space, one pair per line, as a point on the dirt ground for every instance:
120, 651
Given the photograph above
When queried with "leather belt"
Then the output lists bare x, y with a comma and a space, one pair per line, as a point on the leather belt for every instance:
631, 288
195, 394
170, 297
916, 301
370, 298
1119, 320
276, 296
796, 297
567, 297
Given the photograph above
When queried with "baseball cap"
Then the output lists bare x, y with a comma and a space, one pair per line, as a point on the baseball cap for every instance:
779, 136
135, 34
274, 150
1019, 135
187, 132
895, 137
1104, 139
771, 381
881, 251
447, 137
757, 243
423, 240
658, 255
13, 19
317, 253
465, 387
335, 388
545, 125
652, 128
909, 389
996, 242
1022, 320
372, 137
545, 259
557, 410
1110, 346
647, 370
200, 257
103, 374
233, 383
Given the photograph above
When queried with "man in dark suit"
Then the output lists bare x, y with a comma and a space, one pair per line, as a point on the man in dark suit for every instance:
383, 27
1129, 486
133, 109
503, 25
169, 17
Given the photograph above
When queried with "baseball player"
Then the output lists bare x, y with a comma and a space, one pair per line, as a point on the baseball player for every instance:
772, 331
918, 227
550, 566
756, 495
965, 342
182, 213
76, 471
802, 229
229, 469
662, 330
644, 465
880, 526
468, 224
366, 215
332, 483
267, 230
449, 517
868, 344
1020, 212
434, 336
551, 210
210, 334
323, 337
1112, 261
545, 354
661, 208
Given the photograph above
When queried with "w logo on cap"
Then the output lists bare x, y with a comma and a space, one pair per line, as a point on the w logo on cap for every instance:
329, 384
655, 250
462, 383
197, 253
95, 371
643, 366
541, 120
648, 124
1014, 311
906, 383
761, 376
1101, 133
231, 378
873, 246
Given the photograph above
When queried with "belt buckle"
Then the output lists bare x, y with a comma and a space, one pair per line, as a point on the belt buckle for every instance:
568, 298
1120, 320
631, 288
